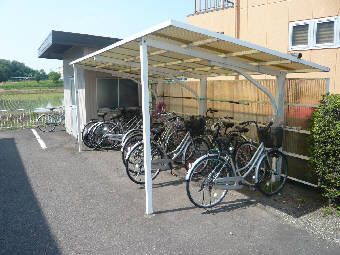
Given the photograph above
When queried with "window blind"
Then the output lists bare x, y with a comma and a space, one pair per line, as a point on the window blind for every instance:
300, 35
325, 32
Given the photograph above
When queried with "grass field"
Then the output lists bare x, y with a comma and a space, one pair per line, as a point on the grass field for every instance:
31, 85
19, 100
30, 101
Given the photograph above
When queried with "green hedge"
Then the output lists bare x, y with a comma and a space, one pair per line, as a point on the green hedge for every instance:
325, 156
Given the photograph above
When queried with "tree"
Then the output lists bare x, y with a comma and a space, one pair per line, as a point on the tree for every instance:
4, 70
14, 68
54, 76
40, 75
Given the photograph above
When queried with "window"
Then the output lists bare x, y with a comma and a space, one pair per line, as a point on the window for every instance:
300, 35
315, 34
325, 32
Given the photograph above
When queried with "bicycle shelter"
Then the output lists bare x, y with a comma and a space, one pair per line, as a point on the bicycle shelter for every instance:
175, 50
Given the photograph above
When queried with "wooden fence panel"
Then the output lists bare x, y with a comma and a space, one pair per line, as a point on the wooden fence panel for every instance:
244, 101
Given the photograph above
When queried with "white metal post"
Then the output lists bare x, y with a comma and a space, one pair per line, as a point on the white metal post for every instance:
202, 104
146, 125
76, 81
280, 115
328, 83
280, 99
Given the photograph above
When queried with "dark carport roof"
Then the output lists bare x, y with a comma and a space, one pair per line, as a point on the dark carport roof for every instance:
58, 42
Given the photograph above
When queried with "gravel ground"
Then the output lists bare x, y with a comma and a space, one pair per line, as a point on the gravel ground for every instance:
59, 201
301, 211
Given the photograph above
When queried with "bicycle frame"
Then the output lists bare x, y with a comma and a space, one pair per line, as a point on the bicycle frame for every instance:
253, 163
181, 148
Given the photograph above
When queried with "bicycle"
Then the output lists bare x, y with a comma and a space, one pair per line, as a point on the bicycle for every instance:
212, 175
49, 121
107, 134
191, 147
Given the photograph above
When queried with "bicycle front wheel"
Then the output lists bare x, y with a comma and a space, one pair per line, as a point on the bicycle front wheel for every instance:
86, 133
134, 163
201, 187
273, 172
130, 142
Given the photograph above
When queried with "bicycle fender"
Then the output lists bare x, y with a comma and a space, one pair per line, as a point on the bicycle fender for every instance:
184, 152
130, 132
258, 166
133, 147
187, 176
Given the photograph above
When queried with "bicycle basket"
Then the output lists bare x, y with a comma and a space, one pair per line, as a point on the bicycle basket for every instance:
196, 126
272, 138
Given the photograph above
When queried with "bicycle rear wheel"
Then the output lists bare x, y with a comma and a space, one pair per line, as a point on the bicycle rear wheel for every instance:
234, 140
243, 155
46, 122
197, 148
201, 187
174, 139
273, 172
100, 136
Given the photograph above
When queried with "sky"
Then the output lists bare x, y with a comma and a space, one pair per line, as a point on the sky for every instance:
24, 24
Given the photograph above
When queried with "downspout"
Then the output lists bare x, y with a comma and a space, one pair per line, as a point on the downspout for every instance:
237, 19
237, 24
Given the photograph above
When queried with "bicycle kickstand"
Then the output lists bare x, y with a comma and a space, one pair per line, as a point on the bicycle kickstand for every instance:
172, 173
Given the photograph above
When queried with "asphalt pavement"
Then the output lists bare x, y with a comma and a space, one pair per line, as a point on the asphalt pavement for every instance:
59, 201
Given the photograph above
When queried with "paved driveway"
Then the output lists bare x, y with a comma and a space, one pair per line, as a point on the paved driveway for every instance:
59, 201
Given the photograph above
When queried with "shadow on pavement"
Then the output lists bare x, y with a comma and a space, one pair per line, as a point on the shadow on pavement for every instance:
295, 199
23, 226
222, 207
231, 205
168, 183
176, 210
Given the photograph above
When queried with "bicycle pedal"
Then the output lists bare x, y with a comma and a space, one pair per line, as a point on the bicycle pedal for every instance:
252, 188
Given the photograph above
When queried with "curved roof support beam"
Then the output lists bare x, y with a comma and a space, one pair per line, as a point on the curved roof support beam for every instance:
190, 90
262, 88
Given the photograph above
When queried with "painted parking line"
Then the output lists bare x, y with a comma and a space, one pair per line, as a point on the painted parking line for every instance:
40, 141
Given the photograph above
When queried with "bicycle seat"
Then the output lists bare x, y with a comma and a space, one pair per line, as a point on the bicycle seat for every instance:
52, 108
115, 115
102, 114
242, 129
228, 124
157, 130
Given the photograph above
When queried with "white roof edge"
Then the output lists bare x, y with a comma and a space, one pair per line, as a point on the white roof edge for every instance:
207, 33
248, 44
128, 39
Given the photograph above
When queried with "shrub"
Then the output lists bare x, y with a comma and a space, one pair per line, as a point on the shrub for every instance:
54, 76
325, 156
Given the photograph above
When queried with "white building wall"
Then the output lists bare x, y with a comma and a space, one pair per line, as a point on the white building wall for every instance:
68, 73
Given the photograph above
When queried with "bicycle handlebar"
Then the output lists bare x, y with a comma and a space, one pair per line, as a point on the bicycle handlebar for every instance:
246, 123
228, 117
210, 110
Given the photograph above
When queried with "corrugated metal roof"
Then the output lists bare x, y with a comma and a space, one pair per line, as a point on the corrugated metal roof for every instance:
180, 50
